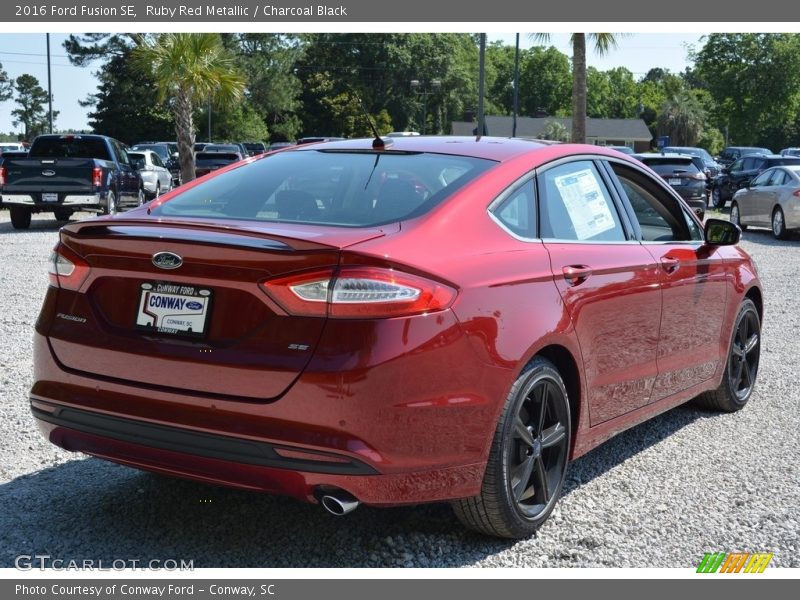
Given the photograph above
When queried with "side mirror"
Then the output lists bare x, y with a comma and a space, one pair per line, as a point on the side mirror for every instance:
721, 233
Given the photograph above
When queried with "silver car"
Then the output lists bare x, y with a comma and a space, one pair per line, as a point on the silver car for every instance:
770, 200
155, 176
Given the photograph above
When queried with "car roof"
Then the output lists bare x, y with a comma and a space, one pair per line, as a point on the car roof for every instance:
491, 148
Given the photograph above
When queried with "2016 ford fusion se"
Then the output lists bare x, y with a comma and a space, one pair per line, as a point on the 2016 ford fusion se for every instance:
416, 320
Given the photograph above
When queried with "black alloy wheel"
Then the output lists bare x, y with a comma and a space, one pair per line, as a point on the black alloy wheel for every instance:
741, 368
528, 458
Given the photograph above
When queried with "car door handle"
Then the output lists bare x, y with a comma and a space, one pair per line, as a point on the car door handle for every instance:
670, 264
576, 274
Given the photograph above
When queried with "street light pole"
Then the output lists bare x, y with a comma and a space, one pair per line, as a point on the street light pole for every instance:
425, 89
516, 89
49, 87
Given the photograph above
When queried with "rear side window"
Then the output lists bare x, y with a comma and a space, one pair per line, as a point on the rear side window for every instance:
351, 189
70, 147
574, 204
517, 212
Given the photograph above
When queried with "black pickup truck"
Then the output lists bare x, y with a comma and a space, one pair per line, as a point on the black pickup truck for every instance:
63, 174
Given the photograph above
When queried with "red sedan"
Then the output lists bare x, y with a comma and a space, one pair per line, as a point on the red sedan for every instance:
429, 319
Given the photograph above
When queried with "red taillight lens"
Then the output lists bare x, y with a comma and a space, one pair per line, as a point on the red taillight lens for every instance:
796, 193
700, 176
66, 269
3, 175
97, 177
359, 293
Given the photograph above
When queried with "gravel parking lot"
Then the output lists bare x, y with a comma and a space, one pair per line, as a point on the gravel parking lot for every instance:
659, 495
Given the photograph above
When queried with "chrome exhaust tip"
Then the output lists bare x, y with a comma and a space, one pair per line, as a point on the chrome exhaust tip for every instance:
338, 502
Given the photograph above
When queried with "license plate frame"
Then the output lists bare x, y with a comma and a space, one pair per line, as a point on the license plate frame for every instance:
49, 197
675, 181
174, 309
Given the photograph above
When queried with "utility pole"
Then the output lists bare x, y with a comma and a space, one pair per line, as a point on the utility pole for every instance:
481, 84
516, 89
49, 85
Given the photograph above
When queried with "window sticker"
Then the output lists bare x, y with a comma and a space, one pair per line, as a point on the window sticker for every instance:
585, 203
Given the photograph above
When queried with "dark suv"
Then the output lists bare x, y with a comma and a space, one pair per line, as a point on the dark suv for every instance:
742, 171
733, 153
684, 173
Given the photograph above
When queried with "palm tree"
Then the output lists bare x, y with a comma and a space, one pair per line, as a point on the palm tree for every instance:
682, 117
603, 42
187, 69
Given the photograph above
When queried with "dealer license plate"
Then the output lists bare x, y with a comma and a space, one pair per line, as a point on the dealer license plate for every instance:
173, 308
674, 181
49, 197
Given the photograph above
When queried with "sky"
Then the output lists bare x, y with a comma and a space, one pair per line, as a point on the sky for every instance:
27, 53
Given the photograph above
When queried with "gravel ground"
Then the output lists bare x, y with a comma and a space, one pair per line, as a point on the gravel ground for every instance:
659, 495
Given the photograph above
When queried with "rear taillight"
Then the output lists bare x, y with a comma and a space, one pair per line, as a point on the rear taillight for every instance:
699, 176
66, 269
359, 293
3, 175
97, 177
796, 193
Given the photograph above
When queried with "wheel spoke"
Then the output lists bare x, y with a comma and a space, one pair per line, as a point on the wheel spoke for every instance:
737, 351
737, 378
553, 436
521, 432
751, 343
543, 407
522, 475
541, 476
746, 375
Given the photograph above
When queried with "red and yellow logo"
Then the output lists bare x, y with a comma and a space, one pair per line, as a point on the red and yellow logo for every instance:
735, 562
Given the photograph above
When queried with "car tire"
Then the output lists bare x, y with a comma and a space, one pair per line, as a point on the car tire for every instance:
158, 190
716, 198
736, 218
62, 214
140, 199
528, 458
20, 217
111, 204
741, 363
779, 223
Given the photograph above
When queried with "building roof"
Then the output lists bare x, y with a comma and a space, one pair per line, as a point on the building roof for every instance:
609, 129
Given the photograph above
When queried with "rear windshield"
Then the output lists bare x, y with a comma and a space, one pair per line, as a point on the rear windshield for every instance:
215, 158
667, 166
158, 149
72, 147
352, 189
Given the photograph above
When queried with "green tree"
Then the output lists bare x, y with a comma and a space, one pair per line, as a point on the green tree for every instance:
544, 82
603, 43
598, 94
188, 69
754, 79
555, 131
125, 105
32, 113
682, 118
6, 85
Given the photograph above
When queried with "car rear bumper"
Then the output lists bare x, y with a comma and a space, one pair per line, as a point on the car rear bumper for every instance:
91, 201
385, 437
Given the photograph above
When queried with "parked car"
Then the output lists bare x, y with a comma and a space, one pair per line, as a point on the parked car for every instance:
224, 148
255, 148
711, 168
317, 139
280, 145
741, 172
790, 152
156, 178
9, 154
12, 147
733, 153
449, 320
168, 154
67, 173
623, 149
771, 200
206, 162
684, 173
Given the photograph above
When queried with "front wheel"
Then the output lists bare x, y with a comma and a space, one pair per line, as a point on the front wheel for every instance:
736, 218
778, 223
741, 368
528, 458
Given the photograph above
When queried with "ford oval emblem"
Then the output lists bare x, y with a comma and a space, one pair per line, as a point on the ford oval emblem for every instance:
167, 260
194, 305
48, 173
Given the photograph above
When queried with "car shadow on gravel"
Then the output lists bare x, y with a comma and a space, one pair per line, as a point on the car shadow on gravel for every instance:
36, 225
90, 509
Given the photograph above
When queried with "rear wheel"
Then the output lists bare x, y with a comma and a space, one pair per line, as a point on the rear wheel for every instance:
778, 223
158, 190
742, 364
20, 217
140, 199
716, 198
528, 458
736, 218
62, 214
111, 203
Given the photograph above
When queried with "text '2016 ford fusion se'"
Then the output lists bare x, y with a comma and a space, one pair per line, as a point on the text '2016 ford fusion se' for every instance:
394, 322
